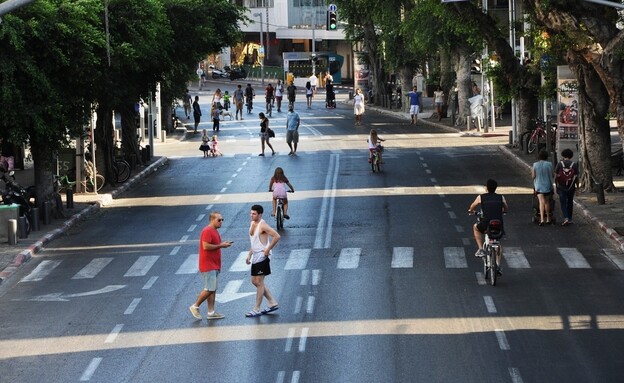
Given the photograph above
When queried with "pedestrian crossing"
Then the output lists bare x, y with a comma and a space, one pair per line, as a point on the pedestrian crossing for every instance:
348, 259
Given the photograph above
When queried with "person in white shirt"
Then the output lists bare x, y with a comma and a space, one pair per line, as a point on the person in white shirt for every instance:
313, 82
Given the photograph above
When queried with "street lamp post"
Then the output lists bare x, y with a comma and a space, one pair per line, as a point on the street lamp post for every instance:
261, 47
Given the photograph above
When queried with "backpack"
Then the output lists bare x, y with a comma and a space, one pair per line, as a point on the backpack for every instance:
566, 176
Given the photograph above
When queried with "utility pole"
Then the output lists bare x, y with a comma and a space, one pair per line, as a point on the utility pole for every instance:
261, 52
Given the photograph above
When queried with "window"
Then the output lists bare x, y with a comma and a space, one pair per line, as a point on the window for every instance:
258, 3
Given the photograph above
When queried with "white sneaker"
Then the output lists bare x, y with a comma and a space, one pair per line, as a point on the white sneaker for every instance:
215, 315
195, 312
480, 253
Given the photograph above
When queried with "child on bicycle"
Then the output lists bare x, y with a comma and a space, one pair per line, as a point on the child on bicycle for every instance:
277, 185
493, 206
214, 147
374, 144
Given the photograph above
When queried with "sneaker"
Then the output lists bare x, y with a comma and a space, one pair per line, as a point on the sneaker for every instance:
215, 315
480, 253
195, 312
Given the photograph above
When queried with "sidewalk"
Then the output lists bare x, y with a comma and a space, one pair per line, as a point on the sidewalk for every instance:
608, 217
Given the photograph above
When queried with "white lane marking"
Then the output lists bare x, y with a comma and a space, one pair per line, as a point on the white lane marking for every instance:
281, 375
190, 265
295, 376
191, 228
402, 257
298, 259
452, 215
305, 277
90, 370
502, 339
150, 282
141, 266
316, 277
184, 238
303, 339
455, 258
424, 165
133, 305
175, 250
93, 268
228, 182
480, 278
239, 169
310, 306
200, 217
349, 258
428, 171
447, 205
573, 258
223, 190
615, 257
515, 258
298, 304
217, 197
466, 241
322, 239
459, 229
489, 304
289, 339
240, 263
515, 375
41, 271
433, 180
113, 334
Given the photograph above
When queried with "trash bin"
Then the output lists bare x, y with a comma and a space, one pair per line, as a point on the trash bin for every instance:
7, 212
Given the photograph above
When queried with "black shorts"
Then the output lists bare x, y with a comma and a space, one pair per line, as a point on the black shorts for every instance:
261, 268
483, 225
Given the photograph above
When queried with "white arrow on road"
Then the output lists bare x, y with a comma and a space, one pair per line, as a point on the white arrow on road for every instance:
59, 297
230, 292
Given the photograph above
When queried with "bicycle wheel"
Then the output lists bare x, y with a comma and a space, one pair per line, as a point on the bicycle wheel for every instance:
493, 267
532, 143
90, 183
122, 171
486, 268
279, 216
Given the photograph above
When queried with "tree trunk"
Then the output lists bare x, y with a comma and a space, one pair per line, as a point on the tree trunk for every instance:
44, 169
104, 143
129, 141
594, 127
447, 76
464, 86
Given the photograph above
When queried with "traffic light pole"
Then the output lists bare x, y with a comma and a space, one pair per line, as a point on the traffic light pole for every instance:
314, 45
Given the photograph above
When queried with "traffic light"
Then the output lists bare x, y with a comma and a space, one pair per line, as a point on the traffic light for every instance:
332, 20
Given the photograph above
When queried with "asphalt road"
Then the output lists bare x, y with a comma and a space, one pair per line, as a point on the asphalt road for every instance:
375, 273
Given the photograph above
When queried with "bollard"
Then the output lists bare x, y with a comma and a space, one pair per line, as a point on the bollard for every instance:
510, 138
22, 227
47, 212
34, 219
12, 232
350, 95
163, 135
600, 196
148, 152
69, 197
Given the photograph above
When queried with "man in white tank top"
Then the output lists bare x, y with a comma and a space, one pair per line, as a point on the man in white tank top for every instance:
259, 258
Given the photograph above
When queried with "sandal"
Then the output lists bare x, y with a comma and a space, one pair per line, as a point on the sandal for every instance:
253, 314
270, 309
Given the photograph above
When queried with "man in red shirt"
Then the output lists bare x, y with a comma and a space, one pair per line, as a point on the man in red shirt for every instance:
210, 246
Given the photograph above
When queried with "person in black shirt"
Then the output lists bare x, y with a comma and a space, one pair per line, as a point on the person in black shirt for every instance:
493, 206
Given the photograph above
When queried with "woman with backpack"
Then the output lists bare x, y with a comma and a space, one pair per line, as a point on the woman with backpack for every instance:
542, 174
566, 181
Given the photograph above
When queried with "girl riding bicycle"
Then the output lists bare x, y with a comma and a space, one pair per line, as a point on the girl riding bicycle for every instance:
374, 144
278, 185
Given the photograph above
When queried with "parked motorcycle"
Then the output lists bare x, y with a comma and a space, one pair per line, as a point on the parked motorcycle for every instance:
218, 73
237, 73
14, 193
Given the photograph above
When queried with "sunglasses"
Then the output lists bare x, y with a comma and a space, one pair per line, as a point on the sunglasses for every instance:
220, 219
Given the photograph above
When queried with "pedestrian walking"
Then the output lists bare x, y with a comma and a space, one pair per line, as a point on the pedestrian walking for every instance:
291, 90
358, 106
292, 130
264, 133
566, 182
438, 101
216, 116
196, 113
279, 93
414, 97
186, 101
210, 245
239, 98
313, 82
542, 174
309, 94
259, 258
269, 94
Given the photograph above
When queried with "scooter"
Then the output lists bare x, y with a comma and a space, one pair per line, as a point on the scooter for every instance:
217, 73
14, 193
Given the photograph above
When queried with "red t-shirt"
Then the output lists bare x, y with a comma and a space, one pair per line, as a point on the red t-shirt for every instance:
209, 259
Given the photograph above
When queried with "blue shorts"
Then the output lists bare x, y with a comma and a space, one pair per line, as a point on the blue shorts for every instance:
210, 280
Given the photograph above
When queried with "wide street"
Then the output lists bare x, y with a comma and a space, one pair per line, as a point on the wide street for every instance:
374, 274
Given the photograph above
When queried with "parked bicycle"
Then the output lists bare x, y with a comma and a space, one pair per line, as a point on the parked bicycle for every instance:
90, 182
121, 167
537, 136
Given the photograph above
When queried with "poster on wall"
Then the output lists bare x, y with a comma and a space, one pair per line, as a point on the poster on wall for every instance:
361, 72
568, 113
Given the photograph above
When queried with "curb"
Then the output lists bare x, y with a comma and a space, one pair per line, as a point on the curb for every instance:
611, 233
26, 255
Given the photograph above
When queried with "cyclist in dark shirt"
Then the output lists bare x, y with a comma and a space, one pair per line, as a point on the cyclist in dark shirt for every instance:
493, 206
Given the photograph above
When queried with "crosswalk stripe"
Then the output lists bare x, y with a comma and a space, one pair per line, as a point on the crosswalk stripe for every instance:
93, 268
455, 258
41, 271
402, 257
573, 258
298, 259
141, 266
190, 265
349, 258
514, 256
240, 264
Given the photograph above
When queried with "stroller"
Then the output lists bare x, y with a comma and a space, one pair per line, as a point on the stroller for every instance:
330, 96
536, 214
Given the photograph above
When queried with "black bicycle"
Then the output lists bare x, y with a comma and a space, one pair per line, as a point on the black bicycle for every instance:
491, 247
